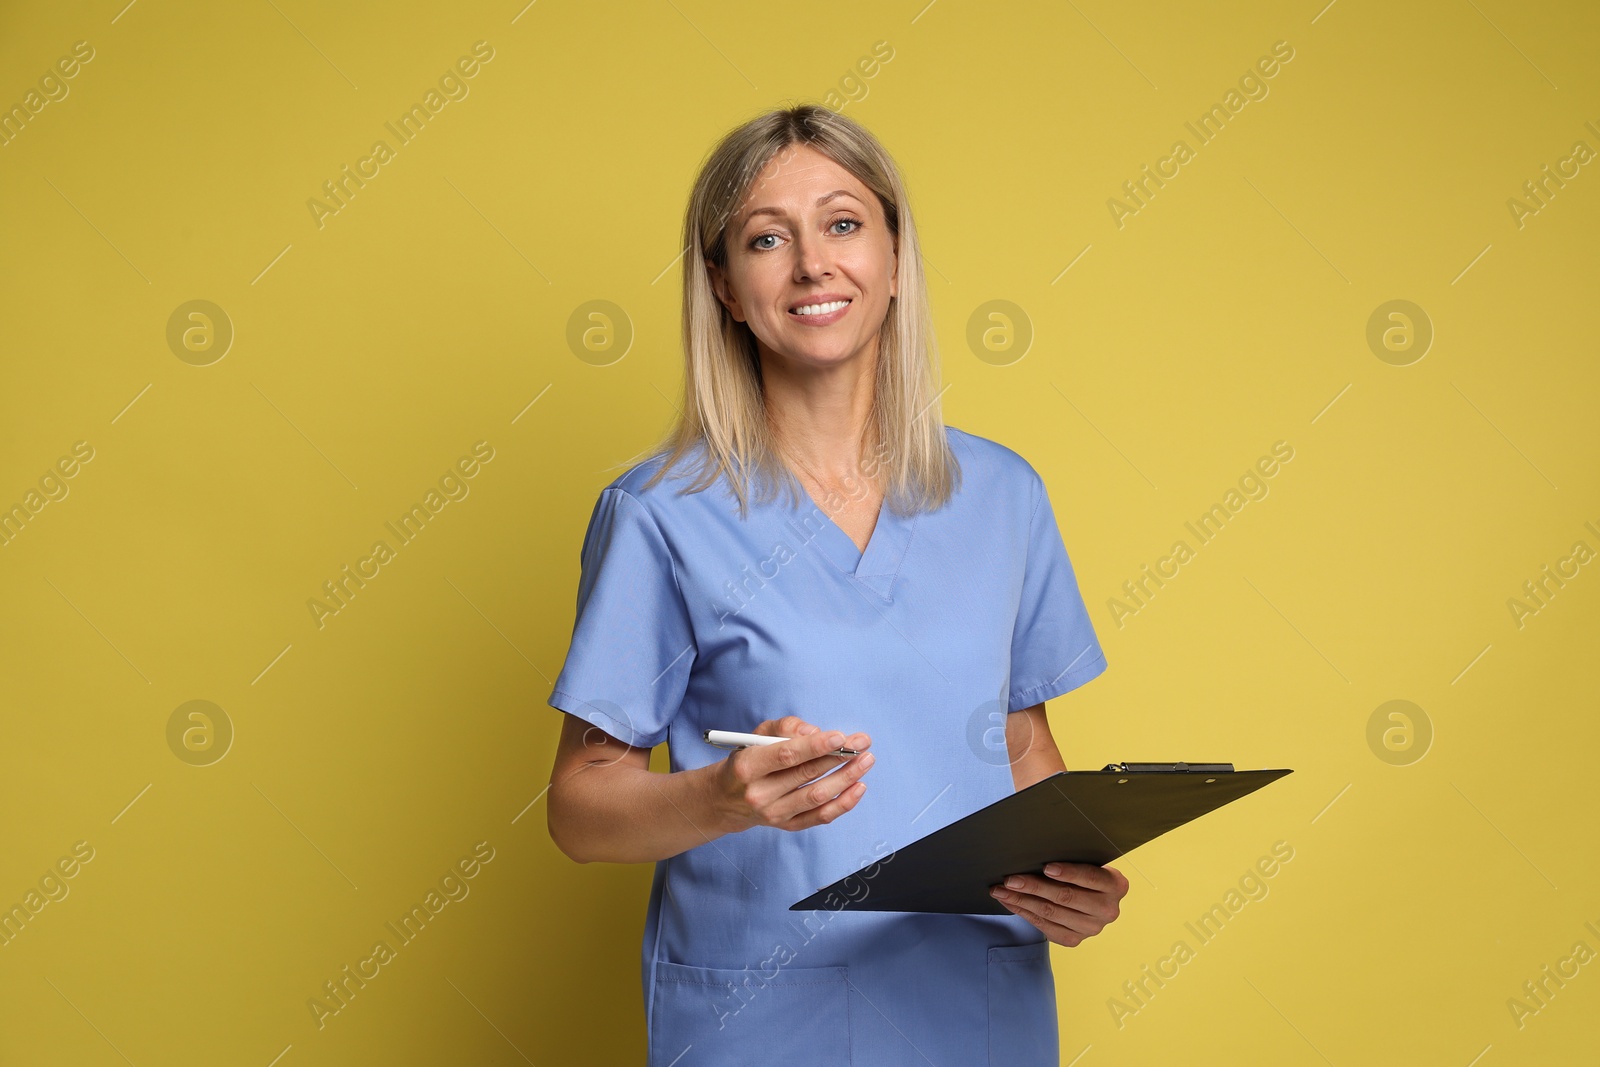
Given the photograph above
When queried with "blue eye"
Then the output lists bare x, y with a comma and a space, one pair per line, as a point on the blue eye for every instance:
761, 237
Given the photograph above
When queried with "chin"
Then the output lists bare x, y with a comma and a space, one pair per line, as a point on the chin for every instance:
829, 359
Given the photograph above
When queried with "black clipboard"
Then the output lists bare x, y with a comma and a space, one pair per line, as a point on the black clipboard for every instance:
1077, 816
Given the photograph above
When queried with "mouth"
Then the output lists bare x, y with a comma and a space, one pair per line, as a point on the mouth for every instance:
821, 312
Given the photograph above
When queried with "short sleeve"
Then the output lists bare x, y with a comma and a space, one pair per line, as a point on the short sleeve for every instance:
1053, 646
632, 642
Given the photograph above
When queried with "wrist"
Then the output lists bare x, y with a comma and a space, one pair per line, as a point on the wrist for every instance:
720, 817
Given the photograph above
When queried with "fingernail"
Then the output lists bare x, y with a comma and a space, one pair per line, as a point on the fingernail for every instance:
868, 760
1053, 869
836, 739
1014, 882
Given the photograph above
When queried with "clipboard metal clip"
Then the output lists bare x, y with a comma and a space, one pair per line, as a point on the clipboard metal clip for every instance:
1203, 768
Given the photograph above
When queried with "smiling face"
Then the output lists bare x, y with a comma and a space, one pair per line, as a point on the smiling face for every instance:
811, 262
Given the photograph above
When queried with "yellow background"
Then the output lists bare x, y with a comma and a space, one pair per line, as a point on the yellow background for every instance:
370, 354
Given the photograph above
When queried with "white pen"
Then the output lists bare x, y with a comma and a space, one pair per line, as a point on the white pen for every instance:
729, 739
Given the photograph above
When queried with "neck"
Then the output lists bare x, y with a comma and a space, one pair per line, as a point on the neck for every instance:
821, 416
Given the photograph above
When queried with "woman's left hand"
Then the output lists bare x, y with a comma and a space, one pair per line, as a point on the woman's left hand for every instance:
1075, 901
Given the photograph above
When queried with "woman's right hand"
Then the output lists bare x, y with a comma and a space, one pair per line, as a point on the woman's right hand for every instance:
767, 785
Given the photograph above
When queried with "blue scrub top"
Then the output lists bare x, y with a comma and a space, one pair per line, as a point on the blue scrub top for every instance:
690, 618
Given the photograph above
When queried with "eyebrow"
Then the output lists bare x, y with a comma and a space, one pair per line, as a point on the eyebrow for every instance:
823, 199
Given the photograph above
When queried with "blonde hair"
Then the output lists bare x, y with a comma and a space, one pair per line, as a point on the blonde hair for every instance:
723, 401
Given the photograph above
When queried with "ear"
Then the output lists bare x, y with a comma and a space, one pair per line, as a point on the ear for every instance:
719, 286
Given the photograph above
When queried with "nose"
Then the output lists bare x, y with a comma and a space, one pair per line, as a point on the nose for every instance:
811, 258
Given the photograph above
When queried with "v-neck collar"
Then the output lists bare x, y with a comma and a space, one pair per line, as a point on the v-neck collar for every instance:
877, 566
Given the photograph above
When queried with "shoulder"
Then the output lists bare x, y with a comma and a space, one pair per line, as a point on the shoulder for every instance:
665, 496
991, 462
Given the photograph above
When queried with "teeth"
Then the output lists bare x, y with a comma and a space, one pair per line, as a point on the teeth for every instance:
820, 309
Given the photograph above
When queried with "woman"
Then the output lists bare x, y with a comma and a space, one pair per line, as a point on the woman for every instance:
915, 596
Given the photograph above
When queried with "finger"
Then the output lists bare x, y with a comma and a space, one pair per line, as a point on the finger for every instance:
774, 771
815, 793
1103, 879
826, 813
811, 770
1061, 935
792, 726
1029, 907
821, 764
823, 790
1090, 902
787, 758
787, 726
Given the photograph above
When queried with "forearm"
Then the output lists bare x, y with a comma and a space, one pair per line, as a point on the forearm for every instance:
1033, 751
619, 813
1036, 769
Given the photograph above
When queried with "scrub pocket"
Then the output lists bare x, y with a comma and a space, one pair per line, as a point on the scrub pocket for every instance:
1022, 1007
712, 1017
